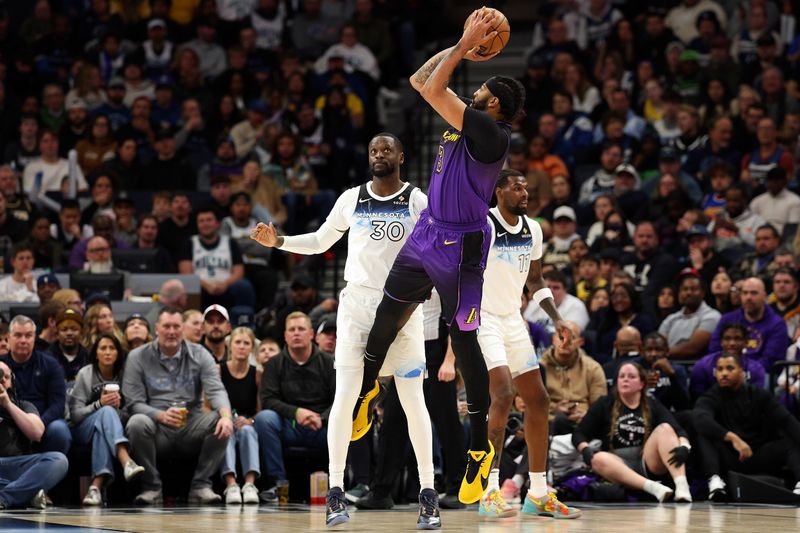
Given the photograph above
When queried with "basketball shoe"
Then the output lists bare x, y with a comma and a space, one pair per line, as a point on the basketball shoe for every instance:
493, 505
429, 517
476, 478
336, 508
364, 410
548, 506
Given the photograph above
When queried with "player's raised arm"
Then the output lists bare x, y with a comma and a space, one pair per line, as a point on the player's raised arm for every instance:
433, 78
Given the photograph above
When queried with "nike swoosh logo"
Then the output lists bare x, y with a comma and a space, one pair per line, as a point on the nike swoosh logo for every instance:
449, 242
364, 200
472, 412
501, 234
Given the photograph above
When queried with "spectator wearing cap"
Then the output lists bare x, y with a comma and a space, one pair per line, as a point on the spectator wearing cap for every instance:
52, 168
630, 199
157, 49
46, 286
689, 330
682, 18
95, 416
326, 333
651, 267
47, 316
761, 262
167, 170
257, 258
247, 132
136, 332
124, 218
166, 111
159, 426
702, 256
114, 108
602, 181
67, 348
296, 397
767, 335
19, 286
767, 156
565, 222
217, 260
76, 126
97, 147
216, 327
213, 61
669, 162
38, 379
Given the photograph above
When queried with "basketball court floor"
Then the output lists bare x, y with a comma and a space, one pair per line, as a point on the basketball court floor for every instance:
634, 518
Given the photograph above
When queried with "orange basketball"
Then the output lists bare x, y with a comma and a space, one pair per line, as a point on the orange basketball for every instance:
503, 29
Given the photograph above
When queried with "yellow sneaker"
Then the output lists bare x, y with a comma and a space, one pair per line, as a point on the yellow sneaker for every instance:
364, 411
493, 505
476, 478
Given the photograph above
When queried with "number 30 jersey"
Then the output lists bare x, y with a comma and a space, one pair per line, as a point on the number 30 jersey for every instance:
379, 227
513, 249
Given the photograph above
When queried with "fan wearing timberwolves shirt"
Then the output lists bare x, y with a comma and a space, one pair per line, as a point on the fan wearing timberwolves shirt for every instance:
380, 215
515, 259
450, 243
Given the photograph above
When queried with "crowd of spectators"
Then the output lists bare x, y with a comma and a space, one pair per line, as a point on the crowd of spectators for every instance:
660, 145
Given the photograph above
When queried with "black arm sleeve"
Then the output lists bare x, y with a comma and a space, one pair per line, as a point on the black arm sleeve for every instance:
594, 423
487, 142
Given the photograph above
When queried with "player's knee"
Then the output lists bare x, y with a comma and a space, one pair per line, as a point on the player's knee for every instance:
502, 396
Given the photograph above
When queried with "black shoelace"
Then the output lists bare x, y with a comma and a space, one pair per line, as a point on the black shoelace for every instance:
335, 499
429, 504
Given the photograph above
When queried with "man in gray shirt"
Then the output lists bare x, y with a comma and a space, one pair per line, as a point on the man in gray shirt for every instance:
689, 329
163, 385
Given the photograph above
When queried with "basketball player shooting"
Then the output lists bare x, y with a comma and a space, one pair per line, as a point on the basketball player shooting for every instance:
450, 242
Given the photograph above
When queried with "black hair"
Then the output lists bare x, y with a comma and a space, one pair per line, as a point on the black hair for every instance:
19, 248
771, 228
738, 186
502, 178
208, 208
741, 328
555, 275
513, 97
693, 276
119, 363
732, 355
391, 136
69, 203
654, 335
170, 310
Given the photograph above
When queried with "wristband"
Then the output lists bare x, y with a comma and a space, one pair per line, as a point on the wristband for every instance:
542, 294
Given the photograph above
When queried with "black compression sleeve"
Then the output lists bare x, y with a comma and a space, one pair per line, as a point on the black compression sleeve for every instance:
487, 142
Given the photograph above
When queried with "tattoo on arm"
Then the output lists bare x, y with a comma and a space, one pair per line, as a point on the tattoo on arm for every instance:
425, 71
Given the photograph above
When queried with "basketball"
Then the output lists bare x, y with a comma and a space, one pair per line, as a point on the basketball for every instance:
503, 29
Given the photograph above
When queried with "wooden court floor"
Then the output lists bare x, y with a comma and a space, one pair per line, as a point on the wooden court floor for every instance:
673, 518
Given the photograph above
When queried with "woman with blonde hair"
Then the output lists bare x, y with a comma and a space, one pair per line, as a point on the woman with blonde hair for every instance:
99, 319
265, 192
242, 381
69, 297
88, 87
193, 325
640, 438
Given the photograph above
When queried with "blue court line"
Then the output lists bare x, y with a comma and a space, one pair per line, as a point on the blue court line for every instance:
15, 525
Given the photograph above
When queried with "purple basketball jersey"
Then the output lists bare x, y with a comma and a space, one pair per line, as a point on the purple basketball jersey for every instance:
461, 186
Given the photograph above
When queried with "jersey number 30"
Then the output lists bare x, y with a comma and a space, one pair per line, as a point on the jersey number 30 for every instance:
394, 230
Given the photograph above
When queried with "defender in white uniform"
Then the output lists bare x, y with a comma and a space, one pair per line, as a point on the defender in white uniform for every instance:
514, 260
380, 215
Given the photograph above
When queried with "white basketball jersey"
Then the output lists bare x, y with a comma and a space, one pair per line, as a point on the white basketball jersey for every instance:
509, 261
379, 226
214, 264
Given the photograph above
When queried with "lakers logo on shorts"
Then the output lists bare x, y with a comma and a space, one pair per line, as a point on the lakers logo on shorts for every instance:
473, 315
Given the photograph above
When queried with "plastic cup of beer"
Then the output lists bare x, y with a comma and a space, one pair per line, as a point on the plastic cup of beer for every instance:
282, 491
181, 406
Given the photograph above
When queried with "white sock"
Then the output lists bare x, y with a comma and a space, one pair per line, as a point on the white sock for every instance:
657, 489
681, 482
409, 390
494, 480
538, 484
340, 422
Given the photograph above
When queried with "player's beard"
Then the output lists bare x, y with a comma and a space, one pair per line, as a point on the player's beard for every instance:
382, 171
519, 210
480, 105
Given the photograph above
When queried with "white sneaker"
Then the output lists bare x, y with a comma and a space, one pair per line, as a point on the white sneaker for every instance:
204, 496
682, 492
250, 493
39, 500
233, 496
716, 488
93, 497
797, 488
132, 470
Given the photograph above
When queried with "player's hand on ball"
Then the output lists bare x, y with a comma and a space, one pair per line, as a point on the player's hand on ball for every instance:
474, 55
478, 29
264, 234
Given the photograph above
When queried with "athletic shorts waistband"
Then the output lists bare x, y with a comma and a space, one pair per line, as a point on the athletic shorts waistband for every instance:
464, 227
